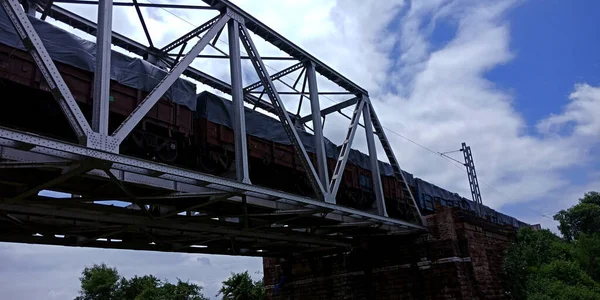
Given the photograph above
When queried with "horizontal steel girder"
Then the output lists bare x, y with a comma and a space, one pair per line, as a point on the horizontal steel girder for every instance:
178, 179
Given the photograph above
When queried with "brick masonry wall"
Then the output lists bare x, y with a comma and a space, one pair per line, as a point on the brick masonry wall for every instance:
459, 258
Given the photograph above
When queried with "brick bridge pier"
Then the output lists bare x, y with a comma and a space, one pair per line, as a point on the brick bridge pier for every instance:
459, 258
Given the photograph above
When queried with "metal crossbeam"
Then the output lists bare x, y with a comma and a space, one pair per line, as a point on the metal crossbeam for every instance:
135, 117
336, 177
282, 113
275, 76
128, 219
329, 110
387, 147
157, 5
58, 87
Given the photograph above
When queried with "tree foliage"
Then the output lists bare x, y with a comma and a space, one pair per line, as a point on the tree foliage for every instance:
101, 282
587, 254
581, 218
540, 265
240, 286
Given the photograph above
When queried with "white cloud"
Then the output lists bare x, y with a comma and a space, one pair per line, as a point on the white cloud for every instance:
580, 116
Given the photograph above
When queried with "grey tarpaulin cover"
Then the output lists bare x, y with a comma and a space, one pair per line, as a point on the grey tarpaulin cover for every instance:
72, 50
428, 193
218, 110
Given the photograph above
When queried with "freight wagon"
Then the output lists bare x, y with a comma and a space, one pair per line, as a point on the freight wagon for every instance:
189, 130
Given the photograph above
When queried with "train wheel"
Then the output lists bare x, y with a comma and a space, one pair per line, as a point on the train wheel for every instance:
167, 152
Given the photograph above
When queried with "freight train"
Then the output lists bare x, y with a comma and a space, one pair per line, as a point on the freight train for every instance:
188, 129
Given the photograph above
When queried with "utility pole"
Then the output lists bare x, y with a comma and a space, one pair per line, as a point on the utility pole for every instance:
473, 182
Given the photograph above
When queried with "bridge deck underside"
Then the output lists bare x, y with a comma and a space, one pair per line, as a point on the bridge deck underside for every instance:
160, 207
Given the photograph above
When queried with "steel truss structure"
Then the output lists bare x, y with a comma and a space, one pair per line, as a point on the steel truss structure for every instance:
169, 208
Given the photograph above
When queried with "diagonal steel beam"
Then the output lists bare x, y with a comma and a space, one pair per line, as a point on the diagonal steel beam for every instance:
58, 87
302, 97
282, 113
275, 76
75, 170
141, 17
387, 147
134, 118
317, 127
190, 35
374, 163
336, 177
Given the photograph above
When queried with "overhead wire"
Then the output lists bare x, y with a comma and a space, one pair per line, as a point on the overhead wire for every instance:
437, 153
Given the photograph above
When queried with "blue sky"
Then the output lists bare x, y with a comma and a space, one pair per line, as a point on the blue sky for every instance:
556, 45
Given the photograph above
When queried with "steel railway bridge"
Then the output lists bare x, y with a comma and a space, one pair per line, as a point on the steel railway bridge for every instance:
171, 208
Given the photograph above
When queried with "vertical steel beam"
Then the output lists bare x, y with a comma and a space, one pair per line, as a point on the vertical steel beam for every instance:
318, 129
387, 147
57, 85
239, 119
136, 116
284, 118
102, 72
374, 162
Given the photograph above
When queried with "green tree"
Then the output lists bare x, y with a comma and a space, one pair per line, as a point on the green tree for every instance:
531, 250
587, 253
100, 282
541, 266
581, 218
240, 286
134, 287
181, 291
562, 280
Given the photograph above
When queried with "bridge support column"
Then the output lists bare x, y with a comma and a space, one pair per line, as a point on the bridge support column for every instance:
452, 261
